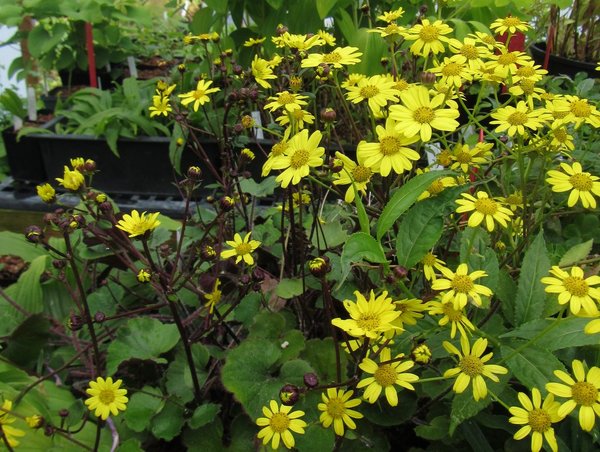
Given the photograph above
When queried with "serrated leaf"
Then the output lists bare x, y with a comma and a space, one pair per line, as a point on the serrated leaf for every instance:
141, 407
405, 197
531, 297
564, 334
506, 291
532, 366
358, 247
576, 253
143, 338
204, 414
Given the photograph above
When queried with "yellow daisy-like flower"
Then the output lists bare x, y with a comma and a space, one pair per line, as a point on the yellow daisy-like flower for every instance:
536, 418
376, 90
301, 154
144, 276
286, 100
392, 31
577, 110
262, 71
214, 297
453, 71
352, 80
430, 262
429, 37
466, 158
506, 62
583, 392
583, 185
390, 152
241, 248
327, 37
391, 16
592, 327
337, 58
71, 180
46, 192
455, 317
574, 288
420, 114
297, 119
355, 175
136, 224
410, 310
106, 397
509, 24
198, 96
472, 367
279, 423
514, 201
337, 410
562, 140
437, 186
251, 42
514, 120
10, 433
277, 153
296, 41
369, 318
461, 287
529, 71
485, 209
469, 51
386, 375
160, 106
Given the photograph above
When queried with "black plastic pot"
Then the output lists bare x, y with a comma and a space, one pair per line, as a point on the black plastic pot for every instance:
558, 65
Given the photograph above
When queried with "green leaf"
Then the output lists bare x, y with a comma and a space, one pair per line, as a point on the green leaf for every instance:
475, 437
576, 253
405, 197
264, 188
320, 354
141, 407
289, 288
27, 291
15, 244
532, 366
358, 247
143, 338
564, 334
204, 414
476, 252
324, 6
465, 407
179, 377
385, 415
506, 291
531, 298
27, 340
219, 6
168, 423
436, 429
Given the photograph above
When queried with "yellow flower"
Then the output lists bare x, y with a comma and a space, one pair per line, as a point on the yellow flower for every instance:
582, 184
410, 310
136, 224
376, 90
583, 393
386, 375
106, 397
296, 41
514, 201
506, 62
357, 176
278, 423
392, 30
262, 71
160, 106
288, 101
485, 209
390, 152
469, 51
466, 158
296, 119
144, 276
250, 42
577, 110
276, 154
536, 418
301, 154
336, 410
34, 421
472, 367
529, 71
214, 297
369, 318
72, 180
561, 138
420, 113
514, 120
592, 327
46, 192
430, 262
509, 24
461, 286
452, 71
337, 58
241, 248
455, 317
391, 16
574, 289
10, 433
429, 37
437, 186
199, 96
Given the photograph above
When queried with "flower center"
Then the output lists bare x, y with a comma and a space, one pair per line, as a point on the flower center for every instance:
489, 40
584, 393
243, 248
527, 86
361, 173
392, 29
429, 259
580, 108
486, 206
428, 33
525, 71
511, 21
462, 284
581, 182
455, 315
385, 375
335, 407
423, 115
463, 157
389, 145
471, 365
539, 420
517, 118
444, 158
576, 286
107, 396
436, 187
469, 51
368, 322
369, 91
298, 115
332, 57
514, 198
300, 158
451, 69
279, 148
560, 135
286, 98
280, 422
507, 58
401, 85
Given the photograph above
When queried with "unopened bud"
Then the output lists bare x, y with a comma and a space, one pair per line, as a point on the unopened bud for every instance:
319, 266
427, 78
99, 317
75, 322
421, 354
311, 380
194, 173
289, 394
34, 234
328, 115
400, 271
226, 203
